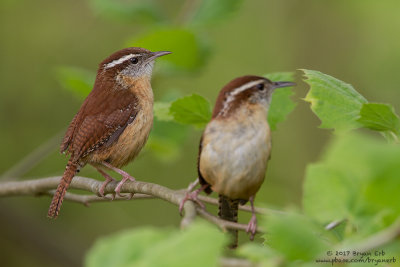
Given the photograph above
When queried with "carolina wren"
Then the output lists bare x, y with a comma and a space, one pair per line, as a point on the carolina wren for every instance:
114, 121
236, 145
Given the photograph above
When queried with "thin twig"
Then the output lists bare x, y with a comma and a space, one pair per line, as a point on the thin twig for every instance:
214, 201
334, 224
377, 240
44, 185
235, 262
33, 158
87, 199
224, 225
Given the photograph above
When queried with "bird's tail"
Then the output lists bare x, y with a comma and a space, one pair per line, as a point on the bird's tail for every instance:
55, 205
228, 210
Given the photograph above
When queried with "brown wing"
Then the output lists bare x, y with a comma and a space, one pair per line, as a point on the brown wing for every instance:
101, 120
202, 181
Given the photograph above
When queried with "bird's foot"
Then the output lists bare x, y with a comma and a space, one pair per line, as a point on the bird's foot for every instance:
109, 179
125, 177
252, 227
103, 187
193, 196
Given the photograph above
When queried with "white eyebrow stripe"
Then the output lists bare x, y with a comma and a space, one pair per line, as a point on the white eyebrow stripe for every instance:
238, 90
245, 87
119, 61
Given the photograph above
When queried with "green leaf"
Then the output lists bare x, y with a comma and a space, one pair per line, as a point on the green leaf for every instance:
379, 117
165, 141
382, 191
188, 53
210, 11
144, 11
356, 180
193, 109
295, 236
199, 245
77, 80
161, 111
123, 248
328, 193
336, 103
281, 104
257, 253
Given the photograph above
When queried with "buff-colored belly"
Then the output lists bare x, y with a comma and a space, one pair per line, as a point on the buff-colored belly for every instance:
234, 156
129, 143
132, 140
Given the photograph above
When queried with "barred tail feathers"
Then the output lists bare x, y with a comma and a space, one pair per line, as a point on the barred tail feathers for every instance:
55, 205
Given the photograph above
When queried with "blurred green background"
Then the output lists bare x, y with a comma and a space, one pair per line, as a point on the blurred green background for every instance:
355, 41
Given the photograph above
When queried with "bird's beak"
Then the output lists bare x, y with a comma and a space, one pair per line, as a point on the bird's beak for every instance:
154, 55
282, 84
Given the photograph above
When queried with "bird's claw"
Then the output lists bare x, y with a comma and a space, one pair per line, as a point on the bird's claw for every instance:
119, 186
100, 193
252, 227
193, 196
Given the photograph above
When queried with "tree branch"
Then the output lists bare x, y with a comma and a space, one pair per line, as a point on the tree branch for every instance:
235, 262
87, 199
377, 240
214, 201
142, 190
334, 224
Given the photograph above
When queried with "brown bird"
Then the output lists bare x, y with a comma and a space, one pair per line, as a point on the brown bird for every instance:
114, 121
235, 147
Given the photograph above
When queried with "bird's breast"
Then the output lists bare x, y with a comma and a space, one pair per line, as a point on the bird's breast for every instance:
235, 152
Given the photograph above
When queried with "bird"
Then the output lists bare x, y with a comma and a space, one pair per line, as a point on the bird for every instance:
114, 121
235, 148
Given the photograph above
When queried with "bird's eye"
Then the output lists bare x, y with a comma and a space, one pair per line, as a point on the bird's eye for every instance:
134, 60
260, 86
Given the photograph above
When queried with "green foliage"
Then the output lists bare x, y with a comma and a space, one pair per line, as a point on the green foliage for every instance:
295, 236
336, 199
379, 117
77, 80
258, 253
199, 245
193, 109
281, 104
123, 248
340, 106
188, 53
161, 111
356, 179
336, 103
143, 11
211, 11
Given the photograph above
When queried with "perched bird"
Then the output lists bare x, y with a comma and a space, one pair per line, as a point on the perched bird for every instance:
114, 121
235, 147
